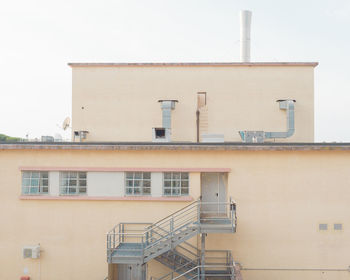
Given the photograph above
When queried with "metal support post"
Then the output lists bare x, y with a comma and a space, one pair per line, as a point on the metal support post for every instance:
203, 235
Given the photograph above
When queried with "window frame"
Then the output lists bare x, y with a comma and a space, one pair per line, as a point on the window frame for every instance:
141, 187
180, 187
40, 186
78, 186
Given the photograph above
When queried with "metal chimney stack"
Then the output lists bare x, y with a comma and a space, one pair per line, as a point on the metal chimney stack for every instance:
245, 18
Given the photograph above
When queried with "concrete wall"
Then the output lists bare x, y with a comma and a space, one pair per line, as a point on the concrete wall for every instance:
120, 103
281, 196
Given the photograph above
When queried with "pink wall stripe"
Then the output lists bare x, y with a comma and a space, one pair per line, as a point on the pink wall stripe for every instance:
104, 198
122, 169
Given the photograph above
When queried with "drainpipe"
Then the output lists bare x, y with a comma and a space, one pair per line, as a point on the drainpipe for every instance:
197, 123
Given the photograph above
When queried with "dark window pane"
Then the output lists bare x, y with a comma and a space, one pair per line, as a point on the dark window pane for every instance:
45, 182
82, 175
72, 182
129, 190
146, 175
176, 191
167, 191
184, 184
138, 175
45, 189
167, 175
137, 183
184, 175
184, 191
147, 184
82, 190
129, 175
167, 184
44, 175
82, 183
129, 183
147, 191
72, 190
137, 191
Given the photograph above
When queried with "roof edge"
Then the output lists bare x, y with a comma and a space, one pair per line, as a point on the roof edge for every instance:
227, 146
182, 64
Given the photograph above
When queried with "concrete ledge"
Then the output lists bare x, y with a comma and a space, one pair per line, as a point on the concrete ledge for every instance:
107, 198
175, 146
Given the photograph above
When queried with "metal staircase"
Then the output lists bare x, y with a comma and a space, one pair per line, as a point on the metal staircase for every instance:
218, 264
138, 243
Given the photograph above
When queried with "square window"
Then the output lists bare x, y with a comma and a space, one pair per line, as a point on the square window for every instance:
73, 183
33, 182
323, 227
138, 183
338, 226
175, 183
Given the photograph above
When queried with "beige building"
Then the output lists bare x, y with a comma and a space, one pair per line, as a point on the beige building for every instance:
171, 189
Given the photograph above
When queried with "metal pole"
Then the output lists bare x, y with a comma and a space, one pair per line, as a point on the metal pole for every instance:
203, 256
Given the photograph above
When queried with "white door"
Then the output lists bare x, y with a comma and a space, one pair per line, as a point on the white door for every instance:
213, 191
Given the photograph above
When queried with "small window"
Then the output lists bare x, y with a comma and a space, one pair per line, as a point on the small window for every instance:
138, 183
35, 182
338, 226
175, 183
160, 133
73, 183
323, 227
201, 99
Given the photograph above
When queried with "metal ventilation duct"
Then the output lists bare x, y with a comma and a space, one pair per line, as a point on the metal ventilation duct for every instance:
167, 106
163, 134
260, 136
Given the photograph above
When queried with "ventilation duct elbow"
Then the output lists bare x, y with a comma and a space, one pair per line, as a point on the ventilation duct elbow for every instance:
260, 136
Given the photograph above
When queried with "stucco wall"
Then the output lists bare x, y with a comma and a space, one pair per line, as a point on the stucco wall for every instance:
120, 103
281, 198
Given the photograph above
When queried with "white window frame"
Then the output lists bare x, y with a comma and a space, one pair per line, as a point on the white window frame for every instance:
137, 185
177, 186
38, 182
67, 183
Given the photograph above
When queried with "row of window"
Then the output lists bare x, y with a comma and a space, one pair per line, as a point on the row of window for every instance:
75, 183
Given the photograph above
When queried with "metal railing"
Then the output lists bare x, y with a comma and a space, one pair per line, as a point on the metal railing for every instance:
215, 260
143, 239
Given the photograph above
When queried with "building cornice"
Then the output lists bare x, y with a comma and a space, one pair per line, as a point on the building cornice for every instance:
136, 146
193, 64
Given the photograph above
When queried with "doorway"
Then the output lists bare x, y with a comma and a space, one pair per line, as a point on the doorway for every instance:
213, 194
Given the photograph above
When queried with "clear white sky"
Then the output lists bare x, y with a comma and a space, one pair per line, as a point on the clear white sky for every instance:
39, 37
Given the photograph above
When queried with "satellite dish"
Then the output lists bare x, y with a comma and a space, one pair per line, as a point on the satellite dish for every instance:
66, 123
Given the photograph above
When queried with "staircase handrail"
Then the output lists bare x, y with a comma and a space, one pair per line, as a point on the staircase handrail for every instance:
198, 268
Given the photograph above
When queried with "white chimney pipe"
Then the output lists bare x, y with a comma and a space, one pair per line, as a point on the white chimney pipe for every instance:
245, 18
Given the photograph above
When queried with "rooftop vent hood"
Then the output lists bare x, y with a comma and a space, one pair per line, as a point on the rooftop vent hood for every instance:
163, 134
260, 136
